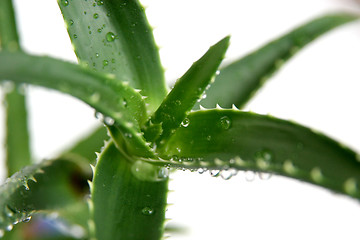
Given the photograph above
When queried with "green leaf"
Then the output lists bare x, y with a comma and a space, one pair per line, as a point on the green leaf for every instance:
9, 38
17, 134
125, 207
187, 90
118, 103
49, 185
239, 81
88, 146
114, 36
226, 139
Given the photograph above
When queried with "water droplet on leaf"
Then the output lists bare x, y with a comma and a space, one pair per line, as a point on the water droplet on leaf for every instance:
265, 176
225, 122
226, 174
185, 122
27, 219
110, 36
96, 16
65, 3
9, 227
147, 211
250, 176
214, 173
109, 121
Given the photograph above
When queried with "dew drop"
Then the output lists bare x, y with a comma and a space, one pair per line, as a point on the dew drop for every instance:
226, 174
225, 122
250, 176
110, 37
289, 167
97, 55
100, 2
316, 174
217, 72
99, 30
185, 122
208, 138
265, 176
99, 116
105, 63
128, 135
201, 170
148, 172
65, 3
350, 186
264, 159
27, 219
75, 36
177, 102
9, 227
109, 121
71, 22
96, 16
147, 211
214, 173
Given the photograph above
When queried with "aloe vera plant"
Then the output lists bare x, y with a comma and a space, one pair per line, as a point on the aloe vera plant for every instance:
148, 129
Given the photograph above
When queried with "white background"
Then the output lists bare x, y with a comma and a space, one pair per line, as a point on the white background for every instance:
319, 88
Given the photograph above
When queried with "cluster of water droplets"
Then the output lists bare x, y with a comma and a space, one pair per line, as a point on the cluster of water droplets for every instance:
10, 216
109, 121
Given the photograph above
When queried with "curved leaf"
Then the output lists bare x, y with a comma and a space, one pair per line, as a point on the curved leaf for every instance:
49, 185
120, 104
240, 80
17, 134
187, 90
224, 139
125, 207
114, 36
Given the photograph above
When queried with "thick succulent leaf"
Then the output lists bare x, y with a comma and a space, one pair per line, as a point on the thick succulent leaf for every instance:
119, 103
187, 90
49, 185
239, 81
9, 39
125, 207
89, 145
114, 36
17, 134
225, 139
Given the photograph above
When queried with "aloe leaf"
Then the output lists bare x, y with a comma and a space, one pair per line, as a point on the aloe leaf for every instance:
9, 38
117, 103
239, 81
49, 185
187, 90
125, 207
17, 134
114, 36
226, 139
